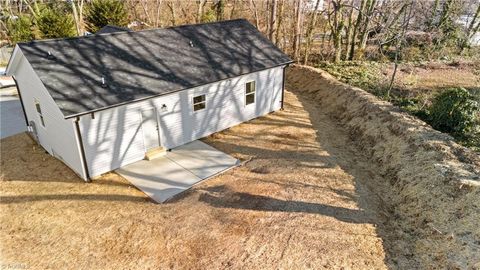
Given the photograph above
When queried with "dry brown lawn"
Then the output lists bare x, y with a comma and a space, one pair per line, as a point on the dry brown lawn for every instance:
302, 201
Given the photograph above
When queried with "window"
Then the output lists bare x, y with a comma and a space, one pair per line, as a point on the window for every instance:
39, 111
199, 103
250, 92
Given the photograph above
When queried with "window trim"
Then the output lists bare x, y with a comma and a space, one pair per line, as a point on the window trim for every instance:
252, 93
38, 109
204, 102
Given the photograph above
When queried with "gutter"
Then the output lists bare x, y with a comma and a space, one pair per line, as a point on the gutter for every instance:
21, 101
82, 150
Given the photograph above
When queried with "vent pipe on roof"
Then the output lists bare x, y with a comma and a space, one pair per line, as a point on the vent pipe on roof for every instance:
103, 82
50, 55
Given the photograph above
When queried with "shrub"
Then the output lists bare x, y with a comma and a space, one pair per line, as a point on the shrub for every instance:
20, 29
100, 13
454, 111
209, 16
51, 22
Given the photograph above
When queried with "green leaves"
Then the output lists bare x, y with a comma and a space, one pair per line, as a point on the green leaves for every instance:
100, 13
20, 29
454, 111
52, 23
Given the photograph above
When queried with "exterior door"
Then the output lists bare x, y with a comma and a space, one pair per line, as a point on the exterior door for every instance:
151, 136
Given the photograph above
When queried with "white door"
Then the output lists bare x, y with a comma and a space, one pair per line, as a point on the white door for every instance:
151, 136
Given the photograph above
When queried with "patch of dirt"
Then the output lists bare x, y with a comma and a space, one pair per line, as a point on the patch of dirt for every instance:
431, 183
305, 198
427, 80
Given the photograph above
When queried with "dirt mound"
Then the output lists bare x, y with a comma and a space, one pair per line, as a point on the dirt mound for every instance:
433, 193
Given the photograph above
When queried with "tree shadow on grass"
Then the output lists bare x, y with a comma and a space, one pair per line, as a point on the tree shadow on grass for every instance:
223, 197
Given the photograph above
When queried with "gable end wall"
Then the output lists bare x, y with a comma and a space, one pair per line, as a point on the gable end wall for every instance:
58, 135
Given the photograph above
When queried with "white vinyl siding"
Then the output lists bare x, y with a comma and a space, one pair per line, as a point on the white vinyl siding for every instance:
114, 137
55, 134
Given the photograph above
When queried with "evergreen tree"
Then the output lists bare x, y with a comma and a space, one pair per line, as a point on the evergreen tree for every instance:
54, 22
100, 13
20, 29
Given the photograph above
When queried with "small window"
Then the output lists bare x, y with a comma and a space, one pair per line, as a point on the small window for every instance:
250, 92
199, 103
39, 111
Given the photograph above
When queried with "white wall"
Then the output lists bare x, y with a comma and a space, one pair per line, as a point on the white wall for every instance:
115, 137
58, 135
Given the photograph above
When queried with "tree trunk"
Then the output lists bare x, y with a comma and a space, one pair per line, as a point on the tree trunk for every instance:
219, 10
145, 11
361, 11
472, 29
75, 17
366, 23
296, 40
273, 20
253, 8
201, 4
349, 31
280, 20
308, 35
399, 45
157, 14
232, 12
337, 28
171, 6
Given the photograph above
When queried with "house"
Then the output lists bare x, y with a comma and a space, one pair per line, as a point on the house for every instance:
100, 102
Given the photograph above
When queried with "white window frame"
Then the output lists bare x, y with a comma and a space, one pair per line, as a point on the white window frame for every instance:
252, 93
204, 102
38, 109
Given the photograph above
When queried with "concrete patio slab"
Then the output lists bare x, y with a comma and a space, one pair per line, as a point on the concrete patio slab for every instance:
177, 171
201, 159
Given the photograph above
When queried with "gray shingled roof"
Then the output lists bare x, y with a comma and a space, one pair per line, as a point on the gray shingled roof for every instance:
144, 64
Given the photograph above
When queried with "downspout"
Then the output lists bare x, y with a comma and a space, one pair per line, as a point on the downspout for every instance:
283, 87
82, 149
21, 101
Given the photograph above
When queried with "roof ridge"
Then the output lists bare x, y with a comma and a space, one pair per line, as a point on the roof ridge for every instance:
126, 32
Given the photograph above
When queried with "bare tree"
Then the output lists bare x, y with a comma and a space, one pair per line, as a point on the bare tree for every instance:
157, 14
473, 27
200, 6
280, 21
356, 28
173, 12
400, 41
370, 7
297, 27
253, 8
273, 20
77, 11
309, 33
350, 27
335, 20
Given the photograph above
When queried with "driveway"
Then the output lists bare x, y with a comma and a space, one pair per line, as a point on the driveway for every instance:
177, 171
12, 120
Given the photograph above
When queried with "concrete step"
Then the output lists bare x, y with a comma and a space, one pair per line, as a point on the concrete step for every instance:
155, 153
